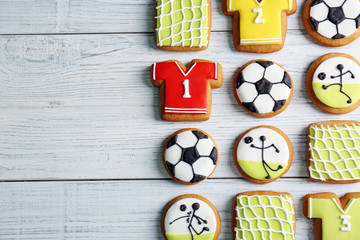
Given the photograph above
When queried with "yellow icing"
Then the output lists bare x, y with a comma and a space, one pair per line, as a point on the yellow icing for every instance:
256, 170
332, 96
209, 236
268, 32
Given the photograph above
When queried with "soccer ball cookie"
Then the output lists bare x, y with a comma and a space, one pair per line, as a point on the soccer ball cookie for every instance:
191, 217
182, 25
263, 154
332, 23
333, 154
185, 93
334, 218
190, 156
264, 215
259, 25
333, 83
263, 88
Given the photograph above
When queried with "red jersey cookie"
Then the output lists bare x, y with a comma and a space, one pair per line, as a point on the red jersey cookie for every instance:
185, 95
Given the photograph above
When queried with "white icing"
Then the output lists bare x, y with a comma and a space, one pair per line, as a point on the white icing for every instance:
253, 72
274, 73
246, 152
247, 92
164, 5
204, 166
186, 139
259, 2
329, 67
173, 154
181, 226
319, 12
328, 134
258, 18
286, 220
183, 172
264, 103
326, 28
351, 8
186, 89
280, 91
345, 221
205, 146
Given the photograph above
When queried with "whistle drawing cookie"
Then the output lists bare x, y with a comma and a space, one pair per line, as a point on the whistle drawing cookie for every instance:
334, 151
333, 83
190, 156
332, 23
263, 88
334, 218
190, 217
185, 93
259, 25
263, 154
264, 215
182, 25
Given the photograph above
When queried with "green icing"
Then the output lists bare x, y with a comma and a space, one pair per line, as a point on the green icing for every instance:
264, 218
332, 96
209, 236
256, 170
330, 213
187, 27
335, 156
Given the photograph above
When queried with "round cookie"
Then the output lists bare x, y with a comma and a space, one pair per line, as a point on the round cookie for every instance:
190, 217
263, 154
332, 23
190, 156
263, 88
333, 83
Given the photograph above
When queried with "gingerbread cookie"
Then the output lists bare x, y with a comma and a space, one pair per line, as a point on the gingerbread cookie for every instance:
190, 156
264, 215
182, 25
335, 218
259, 25
334, 151
263, 88
185, 95
191, 217
263, 154
333, 83
332, 23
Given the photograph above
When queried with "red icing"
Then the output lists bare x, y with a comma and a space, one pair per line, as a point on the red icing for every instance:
174, 76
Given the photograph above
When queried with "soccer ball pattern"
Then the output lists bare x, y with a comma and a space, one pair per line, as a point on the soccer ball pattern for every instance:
335, 19
190, 156
263, 87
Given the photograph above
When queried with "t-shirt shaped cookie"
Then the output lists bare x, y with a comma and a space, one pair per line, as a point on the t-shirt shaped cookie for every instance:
259, 25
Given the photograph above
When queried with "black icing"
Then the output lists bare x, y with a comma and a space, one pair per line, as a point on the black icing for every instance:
172, 141
200, 135
197, 178
316, 2
248, 140
314, 23
214, 155
240, 80
250, 106
183, 207
286, 80
171, 168
264, 163
357, 20
336, 15
265, 64
190, 155
279, 104
322, 76
338, 36
263, 86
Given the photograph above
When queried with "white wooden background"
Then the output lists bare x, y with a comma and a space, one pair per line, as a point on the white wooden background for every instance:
80, 132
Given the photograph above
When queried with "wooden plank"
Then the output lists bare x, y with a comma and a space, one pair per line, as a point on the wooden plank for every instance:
125, 209
95, 16
82, 107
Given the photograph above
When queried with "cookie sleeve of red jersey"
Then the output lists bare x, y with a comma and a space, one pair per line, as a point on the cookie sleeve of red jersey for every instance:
160, 72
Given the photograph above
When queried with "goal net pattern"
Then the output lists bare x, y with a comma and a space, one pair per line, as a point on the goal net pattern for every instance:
335, 152
182, 23
264, 217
